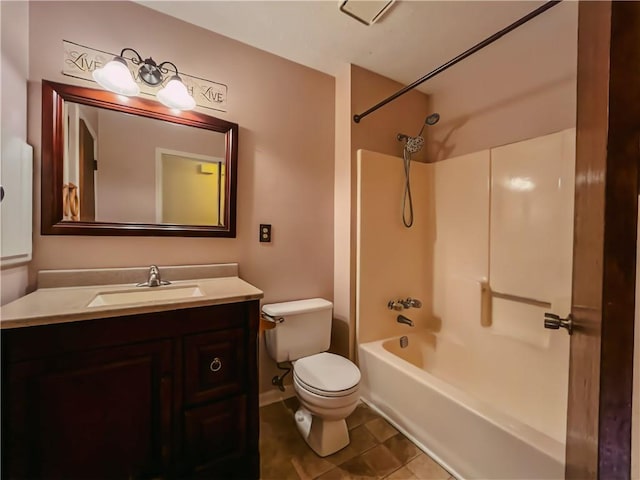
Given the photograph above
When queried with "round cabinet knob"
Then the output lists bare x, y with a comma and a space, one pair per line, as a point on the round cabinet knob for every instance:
215, 365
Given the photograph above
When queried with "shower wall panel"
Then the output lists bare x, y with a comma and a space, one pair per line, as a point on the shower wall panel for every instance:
393, 262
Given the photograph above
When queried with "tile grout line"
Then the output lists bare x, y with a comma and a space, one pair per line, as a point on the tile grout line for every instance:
368, 417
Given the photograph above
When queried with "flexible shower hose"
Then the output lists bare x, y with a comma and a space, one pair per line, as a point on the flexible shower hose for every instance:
408, 222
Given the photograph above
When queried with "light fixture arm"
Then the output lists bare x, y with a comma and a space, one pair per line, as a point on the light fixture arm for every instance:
136, 61
165, 70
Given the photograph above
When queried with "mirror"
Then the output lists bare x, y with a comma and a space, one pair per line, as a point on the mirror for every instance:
114, 165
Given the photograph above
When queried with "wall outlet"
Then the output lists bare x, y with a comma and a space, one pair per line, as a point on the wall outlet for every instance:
265, 232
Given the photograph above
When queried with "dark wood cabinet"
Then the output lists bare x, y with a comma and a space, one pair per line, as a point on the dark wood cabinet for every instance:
217, 365
164, 395
202, 434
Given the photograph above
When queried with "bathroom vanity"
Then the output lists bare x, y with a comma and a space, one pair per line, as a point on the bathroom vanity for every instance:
153, 389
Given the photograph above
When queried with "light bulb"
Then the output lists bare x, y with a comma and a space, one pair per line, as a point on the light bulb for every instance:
175, 95
116, 77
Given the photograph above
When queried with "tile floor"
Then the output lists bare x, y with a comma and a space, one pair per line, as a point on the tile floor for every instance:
377, 450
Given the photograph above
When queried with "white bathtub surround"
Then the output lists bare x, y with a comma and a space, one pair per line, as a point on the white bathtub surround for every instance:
393, 262
531, 227
502, 219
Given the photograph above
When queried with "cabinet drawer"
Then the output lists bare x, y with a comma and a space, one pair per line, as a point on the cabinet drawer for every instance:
215, 433
215, 365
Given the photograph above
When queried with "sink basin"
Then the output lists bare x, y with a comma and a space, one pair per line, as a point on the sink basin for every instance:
144, 294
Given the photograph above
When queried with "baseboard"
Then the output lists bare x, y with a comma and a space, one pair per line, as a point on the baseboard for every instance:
275, 395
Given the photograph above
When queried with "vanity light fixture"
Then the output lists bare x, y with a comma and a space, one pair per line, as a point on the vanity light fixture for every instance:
116, 77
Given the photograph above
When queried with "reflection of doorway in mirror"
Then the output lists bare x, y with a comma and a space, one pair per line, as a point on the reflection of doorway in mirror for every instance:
81, 153
189, 188
87, 171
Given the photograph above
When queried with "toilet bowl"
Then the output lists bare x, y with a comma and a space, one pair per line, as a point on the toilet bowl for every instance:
327, 385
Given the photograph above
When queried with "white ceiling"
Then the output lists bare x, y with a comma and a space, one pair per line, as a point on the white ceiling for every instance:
411, 39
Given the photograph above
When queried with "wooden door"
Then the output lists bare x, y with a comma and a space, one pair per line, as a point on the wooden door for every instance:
606, 214
87, 168
97, 414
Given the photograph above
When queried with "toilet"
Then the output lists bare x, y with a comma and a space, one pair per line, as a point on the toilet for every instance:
327, 385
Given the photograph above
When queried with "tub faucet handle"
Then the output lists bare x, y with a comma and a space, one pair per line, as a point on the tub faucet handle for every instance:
414, 302
395, 305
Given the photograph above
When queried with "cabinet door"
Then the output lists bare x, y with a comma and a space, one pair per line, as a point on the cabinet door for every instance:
215, 438
97, 414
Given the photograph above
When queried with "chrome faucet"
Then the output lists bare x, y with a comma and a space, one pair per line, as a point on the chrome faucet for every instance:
405, 320
154, 278
411, 303
398, 305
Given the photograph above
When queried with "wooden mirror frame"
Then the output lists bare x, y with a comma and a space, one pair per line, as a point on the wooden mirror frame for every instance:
53, 97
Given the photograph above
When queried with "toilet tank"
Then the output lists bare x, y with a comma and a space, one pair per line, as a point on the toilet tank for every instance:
305, 329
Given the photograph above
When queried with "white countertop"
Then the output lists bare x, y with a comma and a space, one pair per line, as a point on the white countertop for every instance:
48, 306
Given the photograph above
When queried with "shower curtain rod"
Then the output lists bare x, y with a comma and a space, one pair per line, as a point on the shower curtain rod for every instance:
462, 56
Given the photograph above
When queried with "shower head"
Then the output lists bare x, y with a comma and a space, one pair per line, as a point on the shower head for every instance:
415, 144
432, 119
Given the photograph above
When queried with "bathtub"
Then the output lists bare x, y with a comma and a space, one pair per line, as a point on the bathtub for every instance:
420, 395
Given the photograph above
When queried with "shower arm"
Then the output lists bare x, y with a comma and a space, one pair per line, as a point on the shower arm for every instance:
462, 56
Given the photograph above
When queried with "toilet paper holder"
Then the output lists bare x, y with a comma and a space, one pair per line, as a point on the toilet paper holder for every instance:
271, 319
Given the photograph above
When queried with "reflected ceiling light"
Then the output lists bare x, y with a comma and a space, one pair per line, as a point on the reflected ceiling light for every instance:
116, 77
521, 184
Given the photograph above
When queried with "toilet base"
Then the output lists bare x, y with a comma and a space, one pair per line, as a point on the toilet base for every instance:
323, 436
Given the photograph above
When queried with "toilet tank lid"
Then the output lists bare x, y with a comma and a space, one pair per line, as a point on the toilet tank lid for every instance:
296, 307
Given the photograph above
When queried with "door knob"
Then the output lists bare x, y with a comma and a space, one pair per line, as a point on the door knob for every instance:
554, 322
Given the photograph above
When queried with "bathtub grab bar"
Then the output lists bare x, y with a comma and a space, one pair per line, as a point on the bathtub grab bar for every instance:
487, 296
517, 298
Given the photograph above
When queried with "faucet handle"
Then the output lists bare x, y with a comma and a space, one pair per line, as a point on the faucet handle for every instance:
395, 305
414, 302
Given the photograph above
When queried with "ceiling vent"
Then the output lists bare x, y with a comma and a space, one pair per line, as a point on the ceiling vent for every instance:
366, 11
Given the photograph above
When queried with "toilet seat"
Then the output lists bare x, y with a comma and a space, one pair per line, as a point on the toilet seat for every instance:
327, 375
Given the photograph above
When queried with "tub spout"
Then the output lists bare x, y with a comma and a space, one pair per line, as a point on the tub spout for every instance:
405, 320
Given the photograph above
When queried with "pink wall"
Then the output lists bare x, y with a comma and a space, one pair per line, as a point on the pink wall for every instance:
285, 162
522, 86
377, 133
